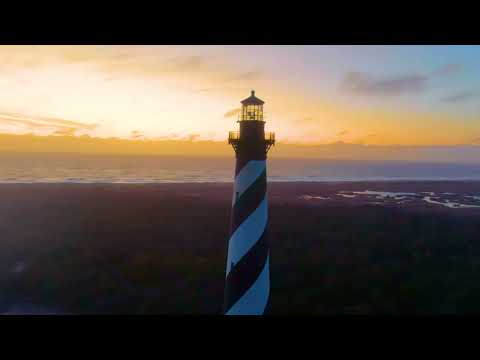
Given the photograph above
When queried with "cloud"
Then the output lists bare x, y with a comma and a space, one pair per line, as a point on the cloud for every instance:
476, 141
193, 70
365, 84
56, 125
458, 97
184, 63
65, 131
248, 75
69, 123
192, 137
136, 64
151, 63
228, 84
109, 58
22, 122
232, 113
449, 69
361, 83
234, 91
136, 134
365, 139
114, 62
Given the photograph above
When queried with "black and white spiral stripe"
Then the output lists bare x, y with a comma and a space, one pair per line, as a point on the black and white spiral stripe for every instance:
247, 289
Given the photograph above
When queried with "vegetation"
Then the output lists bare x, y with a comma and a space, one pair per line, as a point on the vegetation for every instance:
160, 252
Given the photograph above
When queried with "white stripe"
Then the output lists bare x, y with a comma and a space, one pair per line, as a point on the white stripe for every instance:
254, 301
247, 234
249, 173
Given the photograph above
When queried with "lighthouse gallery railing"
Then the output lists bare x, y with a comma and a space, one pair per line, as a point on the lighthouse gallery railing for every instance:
234, 136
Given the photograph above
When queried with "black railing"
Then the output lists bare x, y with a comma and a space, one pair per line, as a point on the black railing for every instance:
270, 136
235, 136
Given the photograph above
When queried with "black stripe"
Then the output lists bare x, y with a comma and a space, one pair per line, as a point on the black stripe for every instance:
249, 201
243, 274
244, 157
240, 163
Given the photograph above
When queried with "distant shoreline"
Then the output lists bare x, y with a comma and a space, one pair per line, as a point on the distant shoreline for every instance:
169, 182
160, 170
220, 192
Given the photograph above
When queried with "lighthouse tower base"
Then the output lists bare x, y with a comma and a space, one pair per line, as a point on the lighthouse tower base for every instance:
247, 289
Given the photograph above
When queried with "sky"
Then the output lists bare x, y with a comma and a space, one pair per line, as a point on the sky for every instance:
370, 95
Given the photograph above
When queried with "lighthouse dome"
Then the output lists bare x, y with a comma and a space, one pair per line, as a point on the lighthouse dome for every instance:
252, 100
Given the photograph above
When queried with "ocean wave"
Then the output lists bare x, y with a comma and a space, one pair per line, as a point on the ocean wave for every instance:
74, 169
216, 180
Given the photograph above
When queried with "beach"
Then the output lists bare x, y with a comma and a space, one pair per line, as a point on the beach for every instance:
336, 247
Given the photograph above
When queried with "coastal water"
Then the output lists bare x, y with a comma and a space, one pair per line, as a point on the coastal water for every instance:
79, 168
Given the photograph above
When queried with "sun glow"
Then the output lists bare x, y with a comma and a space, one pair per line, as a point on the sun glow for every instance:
193, 93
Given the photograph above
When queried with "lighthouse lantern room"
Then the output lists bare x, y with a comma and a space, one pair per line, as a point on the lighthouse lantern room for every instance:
252, 128
252, 108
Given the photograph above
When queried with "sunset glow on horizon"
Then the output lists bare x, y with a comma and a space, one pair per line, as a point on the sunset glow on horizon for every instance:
380, 95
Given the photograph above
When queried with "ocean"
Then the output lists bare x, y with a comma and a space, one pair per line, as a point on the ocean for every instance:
81, 168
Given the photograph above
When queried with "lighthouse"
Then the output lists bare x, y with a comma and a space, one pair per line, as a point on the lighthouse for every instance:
247, 283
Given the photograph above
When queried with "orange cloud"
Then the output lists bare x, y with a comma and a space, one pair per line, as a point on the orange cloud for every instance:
57, 125
231, 113
65, 131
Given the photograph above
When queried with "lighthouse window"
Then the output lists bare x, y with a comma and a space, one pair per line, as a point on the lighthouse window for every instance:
252, 112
